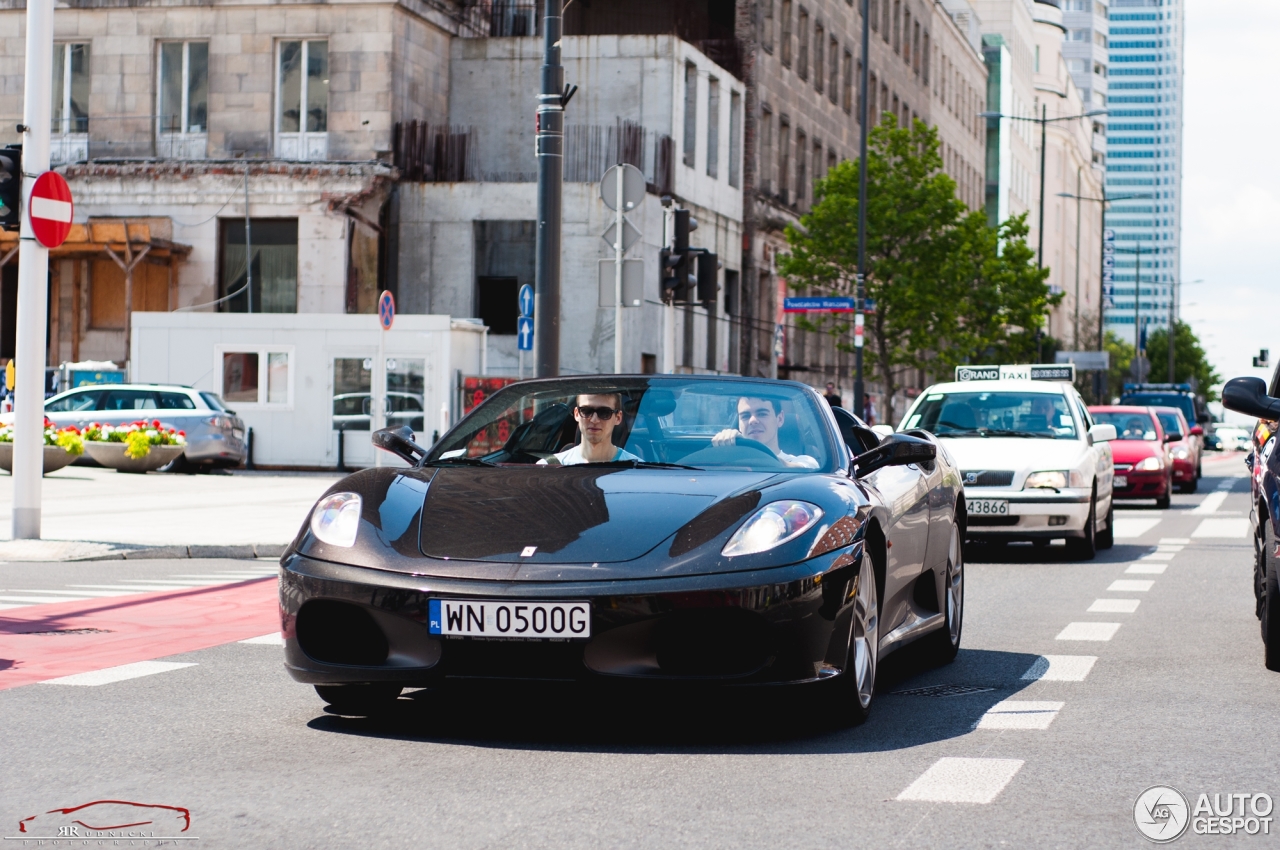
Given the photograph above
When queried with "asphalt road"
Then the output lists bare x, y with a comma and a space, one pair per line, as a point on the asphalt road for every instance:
1017, 751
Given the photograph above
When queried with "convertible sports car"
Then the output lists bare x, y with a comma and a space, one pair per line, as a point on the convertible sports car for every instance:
662, 528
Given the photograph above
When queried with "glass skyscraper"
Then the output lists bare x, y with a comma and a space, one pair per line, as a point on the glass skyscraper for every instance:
1144, 158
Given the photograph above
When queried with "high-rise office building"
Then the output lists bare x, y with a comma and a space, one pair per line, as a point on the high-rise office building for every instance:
1144, 159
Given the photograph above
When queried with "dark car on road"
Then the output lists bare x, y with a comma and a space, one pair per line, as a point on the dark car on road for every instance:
1252, 397
738, 532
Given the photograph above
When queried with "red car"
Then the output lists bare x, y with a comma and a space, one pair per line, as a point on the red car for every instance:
1143, 466
1185, 450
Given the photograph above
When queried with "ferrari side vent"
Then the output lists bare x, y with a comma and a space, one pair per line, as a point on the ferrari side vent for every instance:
340, 633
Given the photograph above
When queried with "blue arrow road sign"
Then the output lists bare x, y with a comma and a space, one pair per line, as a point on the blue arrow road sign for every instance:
386, 310
524, 334
526, 300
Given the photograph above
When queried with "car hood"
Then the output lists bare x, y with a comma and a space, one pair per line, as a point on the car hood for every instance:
1132, 451
1019, 454
565, 515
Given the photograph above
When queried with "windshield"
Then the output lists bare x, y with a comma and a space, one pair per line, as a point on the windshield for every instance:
699, 423
1129, 426
1170, 423
994, 414
1183, 402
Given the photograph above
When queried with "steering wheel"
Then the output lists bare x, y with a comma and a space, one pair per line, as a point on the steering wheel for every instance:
754, 444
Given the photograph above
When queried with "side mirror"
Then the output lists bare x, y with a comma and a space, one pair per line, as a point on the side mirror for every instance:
896, 450
1102, 433
1196, 431
1172, 437
883, 430
1249, 396
399, 441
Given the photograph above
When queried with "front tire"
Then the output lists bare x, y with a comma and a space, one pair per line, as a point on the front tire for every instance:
1085, 548
857, 684
1271, 619
1107, 537
944, 644
361, 700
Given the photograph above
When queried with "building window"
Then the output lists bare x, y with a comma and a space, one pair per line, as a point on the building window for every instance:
784, 159
802, 155
182, 108
713, 128
833, 52
915, 48
846, 94
906, 37
302, 118
735, 139
766, 151
785, 52
274, 247
690, 114
1037, 69
255, 376
874, 15
766, 33
897, 26
802, 56
818, 173
819, 44
885, 24
498, 304
70, 142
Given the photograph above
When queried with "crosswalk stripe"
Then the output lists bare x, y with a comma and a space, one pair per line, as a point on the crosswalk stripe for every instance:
1131, 585
1147, 569
1128, 527
1210, 503
1020, 714
273, 639
118, 674
129, 582
963, 780
137, 588
80, 594
1237, 528
1089, 631
1174, 541
1158, 556
1060, 668
1113, 606
41, 600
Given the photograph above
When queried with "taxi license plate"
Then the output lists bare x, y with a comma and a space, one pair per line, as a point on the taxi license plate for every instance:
1120, 481
494, 618
987, 507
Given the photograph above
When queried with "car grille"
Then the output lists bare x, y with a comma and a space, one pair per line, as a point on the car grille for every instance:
1124, 467
987, 478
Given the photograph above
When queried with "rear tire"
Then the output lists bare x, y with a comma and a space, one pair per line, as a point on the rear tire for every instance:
1189, 486
1085, 548
1163, 502
362, 700
1107, 537
1271, 619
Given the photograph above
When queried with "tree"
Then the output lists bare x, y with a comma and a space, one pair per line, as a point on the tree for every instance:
1190, 363
1121, 369
948, 288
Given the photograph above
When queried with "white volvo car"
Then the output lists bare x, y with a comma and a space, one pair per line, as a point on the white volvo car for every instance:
1034, 465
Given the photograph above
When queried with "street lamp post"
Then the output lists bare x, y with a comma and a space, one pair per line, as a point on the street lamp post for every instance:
859, 316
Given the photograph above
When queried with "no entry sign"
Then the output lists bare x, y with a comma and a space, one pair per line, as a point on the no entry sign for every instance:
50, 209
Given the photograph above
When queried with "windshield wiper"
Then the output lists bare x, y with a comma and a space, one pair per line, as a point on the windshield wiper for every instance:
640, 464
1006, 432
964, 432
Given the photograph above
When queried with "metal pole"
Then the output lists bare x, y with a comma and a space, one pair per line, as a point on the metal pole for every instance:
1075, 333
1172, 319
378, 411
1137, 307
668, 307
33, 282
859, 316
1103, 376
617, 273
1044, 124
550, 152
248, 245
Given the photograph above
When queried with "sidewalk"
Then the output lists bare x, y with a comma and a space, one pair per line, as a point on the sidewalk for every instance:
95, 513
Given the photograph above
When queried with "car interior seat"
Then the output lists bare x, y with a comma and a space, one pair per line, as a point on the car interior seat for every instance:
958, 416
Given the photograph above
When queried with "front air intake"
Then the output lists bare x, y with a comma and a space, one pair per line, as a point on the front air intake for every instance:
340, 633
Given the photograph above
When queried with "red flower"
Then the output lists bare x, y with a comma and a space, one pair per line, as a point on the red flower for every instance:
155, 423
182, 433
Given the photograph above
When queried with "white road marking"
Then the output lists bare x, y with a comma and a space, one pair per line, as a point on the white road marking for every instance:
1113, 606
1060, 668
1174, 541
1235, 528
1210, 503
1158, 556
963, 780
1128, 527
228, 579
1089, 631
1226, 484
136, 588
41, 600
119, 674
1020, 714
273, 639
1131, 585
1148, 569
79, 594
131, 582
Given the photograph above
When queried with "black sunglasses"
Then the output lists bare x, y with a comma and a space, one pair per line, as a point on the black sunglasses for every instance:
601, 413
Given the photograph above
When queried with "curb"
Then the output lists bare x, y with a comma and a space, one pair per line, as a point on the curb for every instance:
155, 553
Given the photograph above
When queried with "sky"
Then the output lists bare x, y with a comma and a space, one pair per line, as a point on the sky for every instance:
1231, 183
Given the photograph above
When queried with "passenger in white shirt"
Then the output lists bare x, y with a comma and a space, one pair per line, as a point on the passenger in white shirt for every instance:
759, 419
597, 416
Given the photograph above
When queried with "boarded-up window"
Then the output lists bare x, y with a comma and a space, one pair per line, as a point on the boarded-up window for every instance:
106, 292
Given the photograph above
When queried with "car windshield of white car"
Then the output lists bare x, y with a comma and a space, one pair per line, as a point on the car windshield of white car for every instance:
1129, 426
663, 422
995, 414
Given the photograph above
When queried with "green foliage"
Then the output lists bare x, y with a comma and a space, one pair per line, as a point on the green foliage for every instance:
1190, 363
1121, 366
948, 287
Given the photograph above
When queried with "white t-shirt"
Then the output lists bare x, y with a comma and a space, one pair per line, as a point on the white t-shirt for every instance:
573, 456
798, 460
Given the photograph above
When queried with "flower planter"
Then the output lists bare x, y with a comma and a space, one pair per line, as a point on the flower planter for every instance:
55, 457
112, 456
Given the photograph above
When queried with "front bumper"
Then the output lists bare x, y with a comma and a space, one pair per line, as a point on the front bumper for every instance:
1032, 514
350, 625
1153, 484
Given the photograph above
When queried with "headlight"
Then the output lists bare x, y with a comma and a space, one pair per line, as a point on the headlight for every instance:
1056, 480
1149, 464
336, 519
1181, 454
771, 526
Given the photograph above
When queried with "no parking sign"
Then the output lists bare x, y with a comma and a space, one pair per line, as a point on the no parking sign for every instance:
386, 309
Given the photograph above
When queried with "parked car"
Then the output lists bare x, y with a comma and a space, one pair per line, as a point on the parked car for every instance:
1252, 397
215, 435
1184, 451
1143, 467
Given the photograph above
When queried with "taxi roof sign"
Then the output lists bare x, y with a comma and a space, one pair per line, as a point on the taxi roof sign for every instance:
1024, 372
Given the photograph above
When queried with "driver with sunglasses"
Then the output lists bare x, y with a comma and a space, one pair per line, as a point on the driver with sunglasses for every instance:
597, 416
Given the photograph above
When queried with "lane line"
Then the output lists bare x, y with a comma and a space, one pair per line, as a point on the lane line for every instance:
118, 674
1060, 668
1147, 569
1129, 527
1089, 631
273, 639
1020, 714
1113, 606
1158, 556
1174, 541
1210, 503
963, 780
1133, 585
1234, 528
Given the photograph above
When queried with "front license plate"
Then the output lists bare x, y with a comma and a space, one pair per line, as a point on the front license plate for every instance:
491, 618
1120, 481
988, 507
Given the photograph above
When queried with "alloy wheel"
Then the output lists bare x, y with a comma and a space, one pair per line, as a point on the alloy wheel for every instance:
866, 633
955, 586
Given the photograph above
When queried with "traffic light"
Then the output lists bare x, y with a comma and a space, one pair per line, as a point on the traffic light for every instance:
10, 186
708, 266
682, 282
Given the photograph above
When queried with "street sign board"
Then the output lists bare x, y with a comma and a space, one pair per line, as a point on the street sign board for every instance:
1024, 372
1085, 361
633, 187
632, 282
629, 235
386, 309
824, 304
524, 333
50, 209
526, 300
